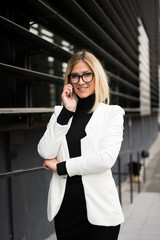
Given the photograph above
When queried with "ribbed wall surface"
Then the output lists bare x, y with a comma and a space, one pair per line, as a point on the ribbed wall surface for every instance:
107, 28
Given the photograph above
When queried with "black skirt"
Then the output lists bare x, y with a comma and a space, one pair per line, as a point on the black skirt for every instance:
71, 222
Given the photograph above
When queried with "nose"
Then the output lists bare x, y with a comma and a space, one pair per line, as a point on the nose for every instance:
80, 80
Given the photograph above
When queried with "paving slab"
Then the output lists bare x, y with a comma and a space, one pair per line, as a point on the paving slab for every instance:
142, 218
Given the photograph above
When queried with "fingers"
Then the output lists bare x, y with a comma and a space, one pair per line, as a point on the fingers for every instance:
50, 164
67, 90
45, 165
68, 98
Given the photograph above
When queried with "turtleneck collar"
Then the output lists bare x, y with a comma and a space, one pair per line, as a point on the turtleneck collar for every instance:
86, 103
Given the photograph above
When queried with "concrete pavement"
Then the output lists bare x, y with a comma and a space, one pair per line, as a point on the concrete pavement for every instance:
142, 217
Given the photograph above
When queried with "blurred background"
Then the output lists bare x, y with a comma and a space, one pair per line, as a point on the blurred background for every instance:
37, 38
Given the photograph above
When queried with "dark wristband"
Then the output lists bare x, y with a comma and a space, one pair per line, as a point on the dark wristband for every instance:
61, 168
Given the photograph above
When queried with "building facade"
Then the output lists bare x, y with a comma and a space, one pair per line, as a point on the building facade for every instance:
37, 39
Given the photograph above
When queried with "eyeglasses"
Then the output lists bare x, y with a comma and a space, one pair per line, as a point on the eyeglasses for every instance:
86, 77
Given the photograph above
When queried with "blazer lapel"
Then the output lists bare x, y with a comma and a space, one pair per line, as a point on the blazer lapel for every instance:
94, 119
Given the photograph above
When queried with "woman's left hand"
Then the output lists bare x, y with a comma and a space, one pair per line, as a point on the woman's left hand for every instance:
50, 164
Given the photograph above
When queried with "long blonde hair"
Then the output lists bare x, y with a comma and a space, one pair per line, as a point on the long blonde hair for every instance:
101, 78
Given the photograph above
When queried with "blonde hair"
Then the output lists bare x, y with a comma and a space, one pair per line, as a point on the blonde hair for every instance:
101, 78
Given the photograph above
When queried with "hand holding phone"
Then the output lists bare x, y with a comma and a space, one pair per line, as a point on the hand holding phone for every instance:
68, 97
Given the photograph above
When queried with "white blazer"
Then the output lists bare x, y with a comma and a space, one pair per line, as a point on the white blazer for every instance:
100, 148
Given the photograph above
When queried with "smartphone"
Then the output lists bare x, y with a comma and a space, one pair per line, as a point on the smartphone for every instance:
71, 94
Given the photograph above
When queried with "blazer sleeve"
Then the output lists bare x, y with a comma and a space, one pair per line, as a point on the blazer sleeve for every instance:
108, 150
51, 141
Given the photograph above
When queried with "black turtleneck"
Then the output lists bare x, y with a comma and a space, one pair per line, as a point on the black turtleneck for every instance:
77, 129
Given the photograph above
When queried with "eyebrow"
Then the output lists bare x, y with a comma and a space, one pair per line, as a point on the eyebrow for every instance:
82, 72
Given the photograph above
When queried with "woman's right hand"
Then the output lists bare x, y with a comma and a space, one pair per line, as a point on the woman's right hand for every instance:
50, 164
68, 98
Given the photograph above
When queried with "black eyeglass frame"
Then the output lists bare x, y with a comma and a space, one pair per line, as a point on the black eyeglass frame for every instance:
80, 76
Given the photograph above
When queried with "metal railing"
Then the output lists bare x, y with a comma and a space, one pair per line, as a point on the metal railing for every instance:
129, 173
20, 172
119, 173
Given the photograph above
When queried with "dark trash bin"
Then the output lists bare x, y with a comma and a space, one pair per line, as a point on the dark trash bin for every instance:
134, 168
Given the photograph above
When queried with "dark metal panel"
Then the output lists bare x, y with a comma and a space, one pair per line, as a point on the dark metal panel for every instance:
18, 207
131, 13
134, 99
24, 37
108, 25
29, 74
5, 203
134, 8
100, 35
111, 12
62, 23
126, 19
124, 82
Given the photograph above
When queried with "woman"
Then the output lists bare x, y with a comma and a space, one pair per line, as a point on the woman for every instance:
80, 145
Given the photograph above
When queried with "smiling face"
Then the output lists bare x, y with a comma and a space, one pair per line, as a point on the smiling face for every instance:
81, 88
